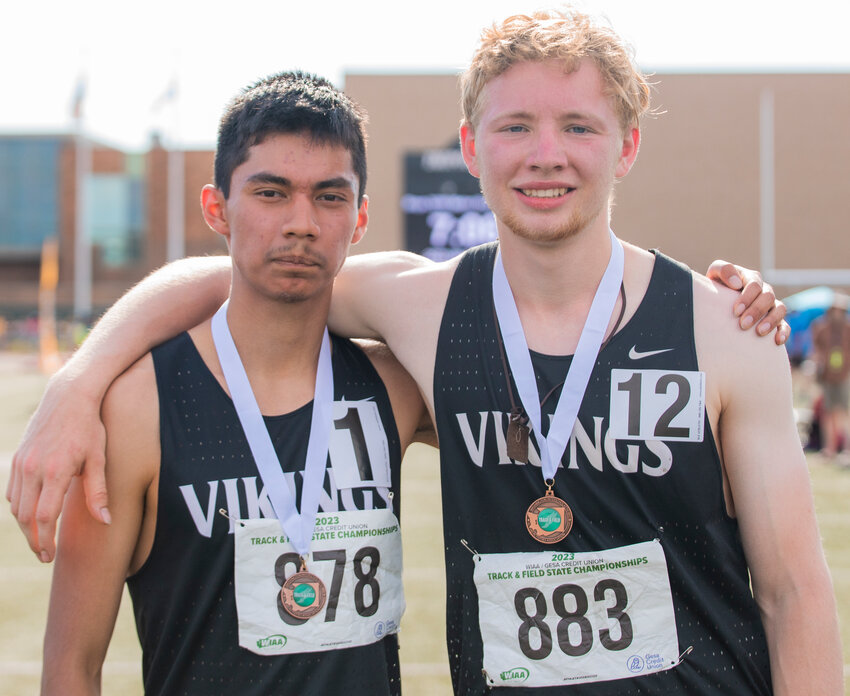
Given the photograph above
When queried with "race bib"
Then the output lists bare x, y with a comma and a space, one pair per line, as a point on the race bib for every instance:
356, 554
358, 450
554, 618
657, 405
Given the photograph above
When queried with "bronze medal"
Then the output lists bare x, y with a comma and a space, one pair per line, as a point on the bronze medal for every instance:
549, 519
303, 595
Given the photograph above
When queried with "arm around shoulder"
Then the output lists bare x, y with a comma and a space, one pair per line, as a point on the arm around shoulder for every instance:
363, 287
172, 299
399, 298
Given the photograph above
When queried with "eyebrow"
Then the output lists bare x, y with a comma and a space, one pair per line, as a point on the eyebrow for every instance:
274, 179
524, 115
267, 178
337, 182
568, 116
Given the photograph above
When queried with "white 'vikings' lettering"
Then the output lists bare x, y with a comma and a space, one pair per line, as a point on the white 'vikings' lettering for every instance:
257, 503
204, 524
595, 449
327, 503
476, 453
665, 458
232, 506
592, 448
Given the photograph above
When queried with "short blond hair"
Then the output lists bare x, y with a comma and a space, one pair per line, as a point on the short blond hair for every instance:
567, 35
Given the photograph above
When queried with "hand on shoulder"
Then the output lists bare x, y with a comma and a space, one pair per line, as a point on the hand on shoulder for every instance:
756, 304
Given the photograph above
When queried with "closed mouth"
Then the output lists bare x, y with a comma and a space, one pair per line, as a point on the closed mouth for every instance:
294, 260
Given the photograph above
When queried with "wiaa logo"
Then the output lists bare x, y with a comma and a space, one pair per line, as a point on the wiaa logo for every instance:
275, 641
515, 674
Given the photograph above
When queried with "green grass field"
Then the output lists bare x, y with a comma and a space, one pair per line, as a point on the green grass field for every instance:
25, 583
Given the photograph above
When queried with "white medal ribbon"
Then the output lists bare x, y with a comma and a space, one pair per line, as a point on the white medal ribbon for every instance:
298, 527
552, 446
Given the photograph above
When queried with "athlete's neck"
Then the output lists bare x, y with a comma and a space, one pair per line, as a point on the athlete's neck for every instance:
553, 285
555, 275
278, 343
274, 335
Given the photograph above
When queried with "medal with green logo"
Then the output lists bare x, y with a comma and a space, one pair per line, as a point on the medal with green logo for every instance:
303, 594
549, 519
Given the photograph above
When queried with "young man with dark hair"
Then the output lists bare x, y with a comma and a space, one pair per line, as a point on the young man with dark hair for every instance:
253, 460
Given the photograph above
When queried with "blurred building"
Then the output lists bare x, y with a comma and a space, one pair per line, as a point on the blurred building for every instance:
126, 196
749, 167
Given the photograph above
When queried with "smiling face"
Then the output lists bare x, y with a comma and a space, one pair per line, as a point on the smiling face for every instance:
547, 148
290, 217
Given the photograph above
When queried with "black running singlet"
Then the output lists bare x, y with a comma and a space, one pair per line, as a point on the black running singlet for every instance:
183, 596
621, 491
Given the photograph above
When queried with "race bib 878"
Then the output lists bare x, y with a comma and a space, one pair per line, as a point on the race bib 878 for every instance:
355, 553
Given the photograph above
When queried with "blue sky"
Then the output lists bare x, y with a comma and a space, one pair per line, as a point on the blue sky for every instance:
131, 53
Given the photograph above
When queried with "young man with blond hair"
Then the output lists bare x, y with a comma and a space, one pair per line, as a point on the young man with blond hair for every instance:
682, 479
617, 458
615, 555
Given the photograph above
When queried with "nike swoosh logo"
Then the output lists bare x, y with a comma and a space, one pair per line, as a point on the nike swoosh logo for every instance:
635, 354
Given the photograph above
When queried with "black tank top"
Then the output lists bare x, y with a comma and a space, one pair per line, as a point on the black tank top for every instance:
621, 492
183, 595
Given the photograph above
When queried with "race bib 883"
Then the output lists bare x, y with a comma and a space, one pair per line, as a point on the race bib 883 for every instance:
554, 618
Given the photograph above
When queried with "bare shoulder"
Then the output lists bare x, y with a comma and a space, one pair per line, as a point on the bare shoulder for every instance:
739, 364
637, 271
131, 417
137, 382
714, 319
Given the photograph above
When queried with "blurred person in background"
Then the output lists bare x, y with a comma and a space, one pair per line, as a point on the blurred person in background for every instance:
831, 353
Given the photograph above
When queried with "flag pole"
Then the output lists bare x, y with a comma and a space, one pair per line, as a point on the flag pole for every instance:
175, 245
82, 242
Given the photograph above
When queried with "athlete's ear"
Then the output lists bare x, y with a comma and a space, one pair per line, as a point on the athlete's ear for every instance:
362, 221
467, 148
631, 143
214, 209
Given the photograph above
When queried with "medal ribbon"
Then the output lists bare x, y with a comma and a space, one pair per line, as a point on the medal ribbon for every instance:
553, 446
298, 527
